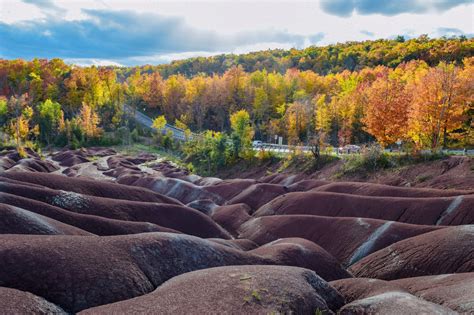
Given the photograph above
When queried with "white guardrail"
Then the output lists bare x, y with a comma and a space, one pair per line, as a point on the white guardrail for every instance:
179, 134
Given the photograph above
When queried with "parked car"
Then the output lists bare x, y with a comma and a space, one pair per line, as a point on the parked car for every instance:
257, 143
349, 148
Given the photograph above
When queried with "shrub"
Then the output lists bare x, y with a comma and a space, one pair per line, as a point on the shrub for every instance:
264, 155
135, 135
208, 153
371, 159
167, 140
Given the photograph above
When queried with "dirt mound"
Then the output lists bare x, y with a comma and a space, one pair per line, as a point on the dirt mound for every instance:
6, 163
282, 179
307, 184
432, 253
14, 220
229, 188
370, 189
353, 289
452, 290
308, 255
178, 189
19, 302
90, 223
347, 239
394, 303
99, 151
90, 187
176, 217
205, 206
118, 161
259, 194
169, 170
231, 217
429, 211
70, 158
235, 290
11, 160
134, 234
34, 165
12, 154
79, 272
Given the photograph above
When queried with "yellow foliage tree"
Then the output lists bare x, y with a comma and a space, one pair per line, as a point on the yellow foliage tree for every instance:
159, 122
89, 121
439, 106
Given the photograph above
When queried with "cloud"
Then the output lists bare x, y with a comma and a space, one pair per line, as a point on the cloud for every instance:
115, 35
92, 62
387, 7
365, 32
47, 6
315, 38
451, 31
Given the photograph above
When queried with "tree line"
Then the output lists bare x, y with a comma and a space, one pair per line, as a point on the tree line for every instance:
352, 56
424, 102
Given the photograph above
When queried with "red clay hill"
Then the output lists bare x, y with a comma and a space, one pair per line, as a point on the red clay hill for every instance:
92, 231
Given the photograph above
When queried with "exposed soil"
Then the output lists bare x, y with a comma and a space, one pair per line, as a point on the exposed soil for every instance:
453, 172
92, 231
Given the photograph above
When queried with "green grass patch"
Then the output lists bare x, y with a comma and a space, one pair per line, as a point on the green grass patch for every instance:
305, 162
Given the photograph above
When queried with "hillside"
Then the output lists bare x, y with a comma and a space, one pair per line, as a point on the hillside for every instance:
449, 172
351, 56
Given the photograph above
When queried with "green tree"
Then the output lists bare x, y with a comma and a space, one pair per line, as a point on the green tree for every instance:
49, 118
3, 110
242, 133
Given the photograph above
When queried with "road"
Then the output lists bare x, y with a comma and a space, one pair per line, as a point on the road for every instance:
147, 122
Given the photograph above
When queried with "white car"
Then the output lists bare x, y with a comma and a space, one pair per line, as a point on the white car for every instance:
257, 143
350, 148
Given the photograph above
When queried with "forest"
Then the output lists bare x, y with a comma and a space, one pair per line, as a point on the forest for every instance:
418, 91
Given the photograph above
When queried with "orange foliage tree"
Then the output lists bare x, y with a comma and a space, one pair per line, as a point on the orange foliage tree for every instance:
386, 115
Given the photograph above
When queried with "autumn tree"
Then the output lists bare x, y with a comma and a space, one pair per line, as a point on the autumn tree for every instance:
153, 90
89, 121
181, 125
235, 81
297, 120
20, 115
159, 122
174, 94
439, 106
465, 135
388, 103
196, 100
260, 109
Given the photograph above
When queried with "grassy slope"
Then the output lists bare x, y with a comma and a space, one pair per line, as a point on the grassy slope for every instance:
428, 171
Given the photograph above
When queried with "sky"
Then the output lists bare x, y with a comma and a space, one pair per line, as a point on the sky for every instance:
113, 32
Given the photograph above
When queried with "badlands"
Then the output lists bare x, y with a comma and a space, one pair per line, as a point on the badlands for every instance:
92, 231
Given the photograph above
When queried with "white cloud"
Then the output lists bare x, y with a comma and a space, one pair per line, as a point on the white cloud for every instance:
91, 62
257, 21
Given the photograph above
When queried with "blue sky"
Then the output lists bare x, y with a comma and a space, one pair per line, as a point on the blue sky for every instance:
158, 31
